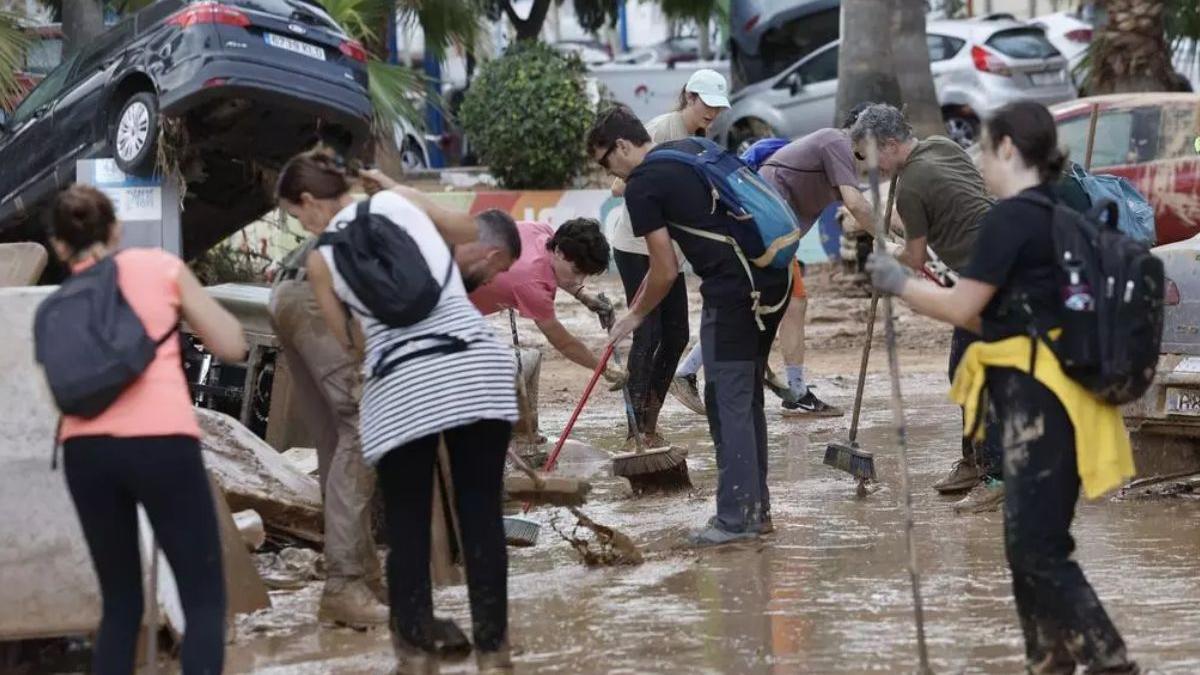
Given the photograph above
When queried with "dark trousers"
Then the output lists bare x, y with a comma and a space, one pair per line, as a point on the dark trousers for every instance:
985, 454
735, 361
108, 477
658, 343
406, 478
1061, 617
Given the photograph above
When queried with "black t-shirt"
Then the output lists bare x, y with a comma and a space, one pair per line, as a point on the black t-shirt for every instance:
1015, 253
663, 192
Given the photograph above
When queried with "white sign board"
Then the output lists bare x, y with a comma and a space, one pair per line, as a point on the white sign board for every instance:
148, 208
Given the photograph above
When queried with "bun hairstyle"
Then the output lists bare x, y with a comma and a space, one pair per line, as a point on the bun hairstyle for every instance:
1033, 132
321, 173
83, 217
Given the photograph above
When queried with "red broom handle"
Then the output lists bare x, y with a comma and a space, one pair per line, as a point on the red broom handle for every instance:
562, 439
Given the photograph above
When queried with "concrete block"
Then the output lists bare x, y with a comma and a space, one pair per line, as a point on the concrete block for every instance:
21, 263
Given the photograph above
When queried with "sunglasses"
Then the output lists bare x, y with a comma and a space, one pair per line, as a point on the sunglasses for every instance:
603, 161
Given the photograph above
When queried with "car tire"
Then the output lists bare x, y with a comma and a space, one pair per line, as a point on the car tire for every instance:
411, 157
751, 130
961, 128
133, 136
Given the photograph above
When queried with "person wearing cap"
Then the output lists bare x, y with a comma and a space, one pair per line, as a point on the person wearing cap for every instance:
659, 342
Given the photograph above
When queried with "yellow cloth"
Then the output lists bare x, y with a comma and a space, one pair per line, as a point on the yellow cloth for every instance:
1102, 451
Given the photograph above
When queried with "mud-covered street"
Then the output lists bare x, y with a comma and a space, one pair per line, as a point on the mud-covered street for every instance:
828, 592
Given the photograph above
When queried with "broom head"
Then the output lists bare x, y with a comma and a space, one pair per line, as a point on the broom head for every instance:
851, 459
654, 470
554, 490
520, 531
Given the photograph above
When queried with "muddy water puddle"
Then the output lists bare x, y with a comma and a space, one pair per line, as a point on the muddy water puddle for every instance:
827, 593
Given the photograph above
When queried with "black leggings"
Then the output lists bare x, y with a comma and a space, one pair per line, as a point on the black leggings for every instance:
657, 344
406, 479
108, 477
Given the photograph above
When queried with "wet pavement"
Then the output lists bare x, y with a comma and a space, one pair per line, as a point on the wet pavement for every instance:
827, 593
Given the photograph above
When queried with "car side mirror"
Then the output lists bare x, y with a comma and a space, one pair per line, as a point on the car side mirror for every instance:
795, 83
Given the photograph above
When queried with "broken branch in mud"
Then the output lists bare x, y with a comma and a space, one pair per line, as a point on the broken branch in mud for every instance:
609, 548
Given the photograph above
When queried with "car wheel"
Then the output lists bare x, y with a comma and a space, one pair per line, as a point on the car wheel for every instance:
748, 131
134, 136
962, 129
411, 158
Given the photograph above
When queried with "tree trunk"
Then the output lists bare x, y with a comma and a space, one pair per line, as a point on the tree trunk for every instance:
704, 37
910, 57
865, 68
82, 22
1130, 52
530, 27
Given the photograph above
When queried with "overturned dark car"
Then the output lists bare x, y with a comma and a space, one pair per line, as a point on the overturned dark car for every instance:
222, 91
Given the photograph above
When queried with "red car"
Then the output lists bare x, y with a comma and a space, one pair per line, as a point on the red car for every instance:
1151, 139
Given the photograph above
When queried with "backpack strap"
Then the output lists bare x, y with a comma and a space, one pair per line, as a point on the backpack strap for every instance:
755, 294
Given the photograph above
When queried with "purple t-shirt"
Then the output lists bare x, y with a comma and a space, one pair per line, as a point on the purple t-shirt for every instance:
809, 170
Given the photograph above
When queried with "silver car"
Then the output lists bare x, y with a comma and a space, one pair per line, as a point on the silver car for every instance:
978, 65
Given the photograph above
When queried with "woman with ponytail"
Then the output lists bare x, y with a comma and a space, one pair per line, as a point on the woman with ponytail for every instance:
1011, 284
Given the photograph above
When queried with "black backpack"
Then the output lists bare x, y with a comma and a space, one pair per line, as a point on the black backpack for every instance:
1110, 347
89, 341
384, 267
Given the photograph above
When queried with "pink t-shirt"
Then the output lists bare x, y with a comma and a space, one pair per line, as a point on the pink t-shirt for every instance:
157, 403
528, 286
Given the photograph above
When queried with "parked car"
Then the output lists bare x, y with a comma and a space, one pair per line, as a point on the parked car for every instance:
591, 53
1070, 33
977, 65
248, 82
1164, 424
768, 36
412, 143
1149, 139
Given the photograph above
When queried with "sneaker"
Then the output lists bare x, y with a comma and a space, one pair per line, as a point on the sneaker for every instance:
712, 535
686, 390
811, 406
766, 525
779, 387
962, 477
989, 496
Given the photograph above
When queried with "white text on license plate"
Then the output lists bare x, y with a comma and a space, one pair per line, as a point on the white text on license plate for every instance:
311, 51
1047, 78
1183, 401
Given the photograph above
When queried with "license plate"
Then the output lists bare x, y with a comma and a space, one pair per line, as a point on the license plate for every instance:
1183, 402
1048, 78
311, 51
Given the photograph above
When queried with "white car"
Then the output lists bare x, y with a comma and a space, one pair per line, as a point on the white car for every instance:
1070, 33
978, 65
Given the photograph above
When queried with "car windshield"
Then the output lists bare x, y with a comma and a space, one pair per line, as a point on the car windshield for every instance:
42, 94
299, 10
1023, 43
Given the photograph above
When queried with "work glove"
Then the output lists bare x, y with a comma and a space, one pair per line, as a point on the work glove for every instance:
616, 377
888, 275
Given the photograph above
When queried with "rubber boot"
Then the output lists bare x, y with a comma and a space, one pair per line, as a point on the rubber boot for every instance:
351, 603
411, 660
498, 662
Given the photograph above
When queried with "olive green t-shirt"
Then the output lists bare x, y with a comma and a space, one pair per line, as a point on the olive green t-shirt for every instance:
941, 196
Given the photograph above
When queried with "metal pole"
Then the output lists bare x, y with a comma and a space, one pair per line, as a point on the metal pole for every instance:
1091, 137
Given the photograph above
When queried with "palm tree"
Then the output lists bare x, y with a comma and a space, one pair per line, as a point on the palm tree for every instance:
12, 57
1130, 52
865, 68
910, 57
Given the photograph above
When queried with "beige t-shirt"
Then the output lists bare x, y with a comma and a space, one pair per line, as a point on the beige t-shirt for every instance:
668, 127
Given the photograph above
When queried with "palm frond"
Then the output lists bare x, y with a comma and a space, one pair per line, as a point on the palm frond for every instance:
1182, 22
397, 92
13, 43
689, 9
444, 22
362, 20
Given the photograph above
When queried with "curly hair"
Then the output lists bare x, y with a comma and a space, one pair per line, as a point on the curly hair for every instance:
582, 243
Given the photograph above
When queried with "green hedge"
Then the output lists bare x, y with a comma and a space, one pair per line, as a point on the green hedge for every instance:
527, 113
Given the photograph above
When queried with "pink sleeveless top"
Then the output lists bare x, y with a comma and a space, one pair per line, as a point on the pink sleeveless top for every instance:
157, 403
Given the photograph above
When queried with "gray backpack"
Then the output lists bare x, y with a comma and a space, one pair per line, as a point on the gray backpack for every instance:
89, 341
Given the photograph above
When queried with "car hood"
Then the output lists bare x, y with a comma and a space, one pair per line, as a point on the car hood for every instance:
754, 89
1181, 322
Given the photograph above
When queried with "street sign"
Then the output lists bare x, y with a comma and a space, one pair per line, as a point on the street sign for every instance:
148, 208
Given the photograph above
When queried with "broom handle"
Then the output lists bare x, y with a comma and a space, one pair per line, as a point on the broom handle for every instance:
889, 326
866, 357
630, 417
587, 392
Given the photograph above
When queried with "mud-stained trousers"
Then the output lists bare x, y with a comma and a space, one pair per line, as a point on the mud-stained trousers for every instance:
1061, 617
735, 361
328, 383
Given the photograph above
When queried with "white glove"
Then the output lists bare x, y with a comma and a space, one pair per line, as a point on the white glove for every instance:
888, 275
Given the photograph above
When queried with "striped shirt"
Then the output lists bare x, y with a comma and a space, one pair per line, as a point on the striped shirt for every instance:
446, 371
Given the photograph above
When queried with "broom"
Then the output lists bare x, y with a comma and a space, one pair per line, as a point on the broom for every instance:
848, 456
653, 470
889, 326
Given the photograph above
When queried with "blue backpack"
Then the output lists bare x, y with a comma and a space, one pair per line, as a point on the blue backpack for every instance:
1135, 216
765, 232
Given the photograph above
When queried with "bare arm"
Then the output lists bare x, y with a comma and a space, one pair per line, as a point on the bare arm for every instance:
218, 329
347, 332
456, 227
567, 344
959, 306
915, 254
857, 205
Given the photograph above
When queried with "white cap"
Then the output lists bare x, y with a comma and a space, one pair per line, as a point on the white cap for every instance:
710, 86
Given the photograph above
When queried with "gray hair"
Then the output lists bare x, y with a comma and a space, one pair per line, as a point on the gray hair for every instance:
883, 121
497, 228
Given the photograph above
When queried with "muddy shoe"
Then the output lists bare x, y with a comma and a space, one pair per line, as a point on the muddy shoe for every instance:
716, 536
686, 390
378, 587
351, 604
412, 660
810, 406
779, 387
989, 496
498, 662
962, 477
452, 643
